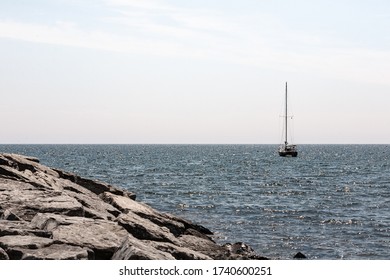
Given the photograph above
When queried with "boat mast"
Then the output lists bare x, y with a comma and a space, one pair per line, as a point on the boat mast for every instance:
285, 142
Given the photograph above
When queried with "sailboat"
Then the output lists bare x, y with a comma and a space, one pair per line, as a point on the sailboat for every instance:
286, 149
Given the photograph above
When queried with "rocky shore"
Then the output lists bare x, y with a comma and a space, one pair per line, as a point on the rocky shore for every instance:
46, 213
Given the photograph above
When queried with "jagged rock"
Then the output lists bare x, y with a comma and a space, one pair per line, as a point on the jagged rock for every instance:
26, 200
93, 207
3, 255
48, 213
178, 252
203, 245
144, 229
92, 204
242, 251
94, 186
9, 215
134, 249
176, 225
300, 255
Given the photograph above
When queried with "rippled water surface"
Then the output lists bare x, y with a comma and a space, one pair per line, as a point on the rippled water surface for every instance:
332, 202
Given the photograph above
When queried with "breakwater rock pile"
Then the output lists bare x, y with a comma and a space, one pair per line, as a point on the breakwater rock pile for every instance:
46, 213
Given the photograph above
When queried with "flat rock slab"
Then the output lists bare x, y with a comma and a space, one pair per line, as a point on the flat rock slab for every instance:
24, 241
58, 252
101, 236
21, 228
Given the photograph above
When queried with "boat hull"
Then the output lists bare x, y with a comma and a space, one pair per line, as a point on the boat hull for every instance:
288, 153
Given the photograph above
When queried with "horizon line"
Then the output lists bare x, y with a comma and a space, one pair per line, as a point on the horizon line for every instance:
191, 144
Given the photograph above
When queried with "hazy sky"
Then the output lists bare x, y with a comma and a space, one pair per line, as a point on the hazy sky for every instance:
204, 71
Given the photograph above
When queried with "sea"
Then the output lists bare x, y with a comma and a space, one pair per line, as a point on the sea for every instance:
332, 202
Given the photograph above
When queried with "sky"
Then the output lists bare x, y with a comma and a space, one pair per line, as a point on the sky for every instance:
194, 72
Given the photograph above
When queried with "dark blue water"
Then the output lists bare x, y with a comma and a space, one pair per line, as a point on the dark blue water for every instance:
332, 202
